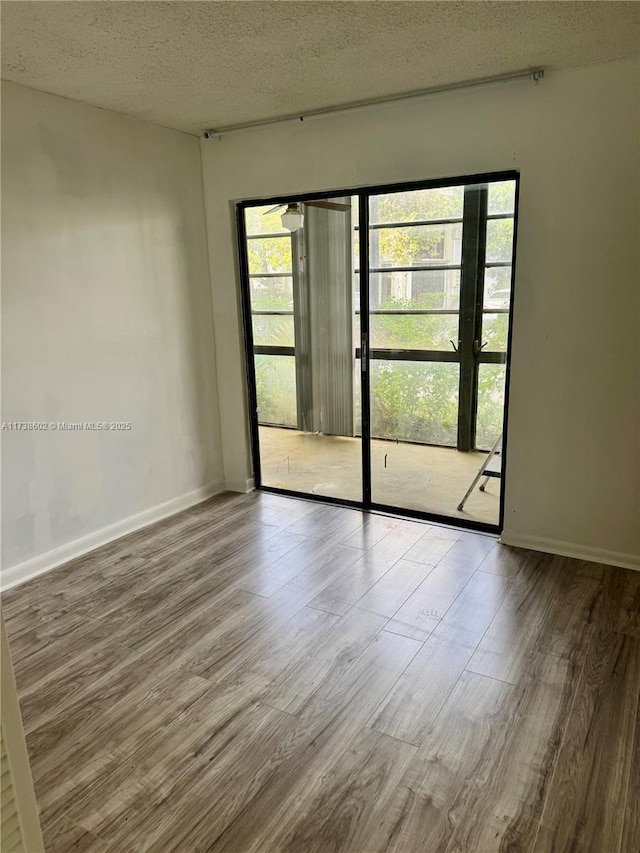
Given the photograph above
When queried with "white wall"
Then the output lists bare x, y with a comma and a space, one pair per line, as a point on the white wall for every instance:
573, 470
106, 317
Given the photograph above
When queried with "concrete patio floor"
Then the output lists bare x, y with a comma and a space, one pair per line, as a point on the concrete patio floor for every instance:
407, 476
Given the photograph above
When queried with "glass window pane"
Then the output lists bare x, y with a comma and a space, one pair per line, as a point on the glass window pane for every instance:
357, 397
355, 211
415, 289
356, 291
502, 197
272, 294
414, 331
415, 401
276, 389
499, 240
441, 203
491, 378
356, 332
258, 221
273, 330
417, 245
497, 287
271, 254
495, 329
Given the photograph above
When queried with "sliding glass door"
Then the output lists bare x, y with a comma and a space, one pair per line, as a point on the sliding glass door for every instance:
438, 341
304, 324
377, 329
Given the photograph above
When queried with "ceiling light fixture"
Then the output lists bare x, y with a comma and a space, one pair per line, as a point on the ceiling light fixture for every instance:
293, 218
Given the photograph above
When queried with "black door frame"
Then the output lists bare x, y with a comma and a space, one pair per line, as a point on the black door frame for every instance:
472, 358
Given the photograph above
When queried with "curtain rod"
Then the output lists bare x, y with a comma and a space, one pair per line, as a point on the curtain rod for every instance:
535, 75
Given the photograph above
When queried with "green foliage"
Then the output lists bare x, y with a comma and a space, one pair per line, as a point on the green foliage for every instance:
418, 401
258, 221
269, 255
275, 375
413, 331
502, 197
273, 330
440, 203
411, 245
499, 240
491, 379
495, 328
271, 300
276, 389
272, 254
415, 401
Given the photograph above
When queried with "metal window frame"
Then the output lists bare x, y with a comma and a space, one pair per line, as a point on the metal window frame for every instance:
288, 274
364, 194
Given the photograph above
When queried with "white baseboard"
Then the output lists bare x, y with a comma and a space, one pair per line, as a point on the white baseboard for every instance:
242, 486
567, 549
29, 569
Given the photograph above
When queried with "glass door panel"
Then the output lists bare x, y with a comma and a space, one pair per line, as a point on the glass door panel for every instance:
305, 327
414, 332
440, 296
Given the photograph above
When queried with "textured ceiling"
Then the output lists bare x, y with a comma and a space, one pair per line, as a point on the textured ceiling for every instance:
194, 65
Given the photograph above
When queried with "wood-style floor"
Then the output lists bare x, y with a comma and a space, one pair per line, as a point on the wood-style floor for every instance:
263, 674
